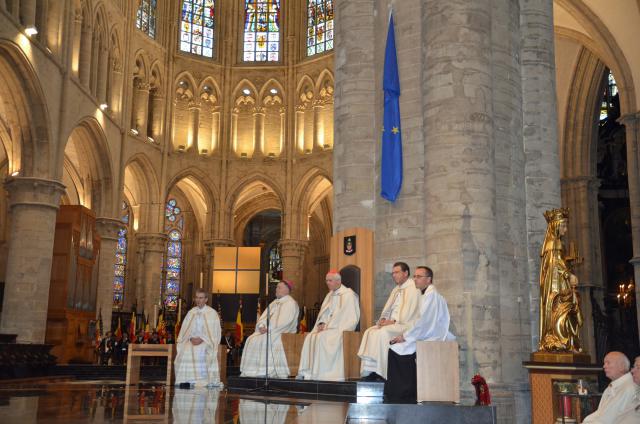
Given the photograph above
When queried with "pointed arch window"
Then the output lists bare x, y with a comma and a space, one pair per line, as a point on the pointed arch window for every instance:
146, 17
261, 31
197, 27
319, 26
174, 226
120, 267
610, 91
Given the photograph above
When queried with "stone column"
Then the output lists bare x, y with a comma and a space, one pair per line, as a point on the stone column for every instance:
215, 128
234, 130
632, 134
33, 205
580, 195
107, 229
194, 126
84, 63
103, 74
157, 103
258, 131
140, 107
318, 125
115, 88
152, 246
28, 13
460, 224
356, 138
292, 253
283, 112
540, 135
300, 128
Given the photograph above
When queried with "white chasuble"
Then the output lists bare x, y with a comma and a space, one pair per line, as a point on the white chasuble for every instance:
283, 319
322, 353
403, 307
198, 364
433, 324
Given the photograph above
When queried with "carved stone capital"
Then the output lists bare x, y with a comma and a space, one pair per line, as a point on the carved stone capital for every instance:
630, 119
31, 191
108, 228
213, 243
152, 242
292, 247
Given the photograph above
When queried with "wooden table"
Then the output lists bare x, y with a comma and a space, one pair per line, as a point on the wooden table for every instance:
138, 351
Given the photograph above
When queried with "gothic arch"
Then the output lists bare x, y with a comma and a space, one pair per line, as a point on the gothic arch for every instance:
241, 85
325, 76
201, 194
86, 150
211, 82
308, 195
305, 81
268, 85
605, 44
25, 114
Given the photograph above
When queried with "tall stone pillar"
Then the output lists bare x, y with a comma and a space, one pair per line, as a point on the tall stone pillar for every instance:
258, 131
632, 133
540, 135
234, 130
103, 72
292, 254
215, 128
33, 205
580, 195
28, 13
283, 129
157, 103
107, 229
152, 246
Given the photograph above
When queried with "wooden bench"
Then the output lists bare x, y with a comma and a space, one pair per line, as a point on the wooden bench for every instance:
438, 371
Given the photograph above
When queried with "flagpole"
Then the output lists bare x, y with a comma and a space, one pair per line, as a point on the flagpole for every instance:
390, 7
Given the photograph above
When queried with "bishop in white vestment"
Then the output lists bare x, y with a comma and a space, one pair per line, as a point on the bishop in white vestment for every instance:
398, 315
197, 345
283, 318
322, 354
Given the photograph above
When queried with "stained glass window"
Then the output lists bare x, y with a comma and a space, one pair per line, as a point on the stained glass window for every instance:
146, 17
261, 31
120, 268
610, 91
319, 26
174, 222
197, 27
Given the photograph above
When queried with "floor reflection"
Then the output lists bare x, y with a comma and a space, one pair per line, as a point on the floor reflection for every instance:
106, 402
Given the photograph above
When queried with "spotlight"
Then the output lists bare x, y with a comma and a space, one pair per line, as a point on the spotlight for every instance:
273, 91
134, 131
31, 31
246, 91
182, 148
103, 106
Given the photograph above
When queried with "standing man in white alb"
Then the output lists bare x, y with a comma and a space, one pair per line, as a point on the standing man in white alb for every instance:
322, 356
197, 360
397, 316
283, 318
433, 325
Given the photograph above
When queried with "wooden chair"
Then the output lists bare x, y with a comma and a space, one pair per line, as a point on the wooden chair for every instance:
292, 344
350, 345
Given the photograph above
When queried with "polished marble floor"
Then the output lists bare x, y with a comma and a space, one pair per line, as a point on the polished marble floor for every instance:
111, 402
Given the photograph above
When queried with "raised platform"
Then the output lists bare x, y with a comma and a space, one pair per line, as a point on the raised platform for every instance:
427, 412
347, 391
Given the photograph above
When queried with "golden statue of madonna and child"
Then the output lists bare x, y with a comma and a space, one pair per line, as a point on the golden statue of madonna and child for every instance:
560, 314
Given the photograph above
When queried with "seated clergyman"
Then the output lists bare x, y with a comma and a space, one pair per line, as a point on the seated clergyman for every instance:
322, 355
397, 316
619, 396
283, 318
196, 362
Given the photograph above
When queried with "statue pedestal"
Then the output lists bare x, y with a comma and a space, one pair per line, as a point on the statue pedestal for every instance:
547, 369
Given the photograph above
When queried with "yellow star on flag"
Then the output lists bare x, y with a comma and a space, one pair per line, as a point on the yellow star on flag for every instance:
395, 130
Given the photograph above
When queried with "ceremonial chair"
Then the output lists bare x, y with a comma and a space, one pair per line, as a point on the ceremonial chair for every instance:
292, 344
351, 339
438, 371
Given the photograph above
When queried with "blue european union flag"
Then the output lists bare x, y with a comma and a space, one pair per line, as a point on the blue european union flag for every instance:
391, 158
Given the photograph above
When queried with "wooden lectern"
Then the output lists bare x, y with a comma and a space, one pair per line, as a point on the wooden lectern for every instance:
438, 372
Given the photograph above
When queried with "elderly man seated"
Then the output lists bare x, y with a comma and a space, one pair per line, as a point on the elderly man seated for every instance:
632, 414
620, 394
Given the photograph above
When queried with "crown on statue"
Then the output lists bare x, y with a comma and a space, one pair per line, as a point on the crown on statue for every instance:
556, 214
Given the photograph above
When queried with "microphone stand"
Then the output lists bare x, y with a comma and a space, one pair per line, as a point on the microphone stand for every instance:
265, 387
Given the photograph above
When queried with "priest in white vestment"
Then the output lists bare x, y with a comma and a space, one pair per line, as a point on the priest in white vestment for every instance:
433, 325
398, 315
283, 318
619, 396
632, 414
195, 406
322, 354
196, 362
